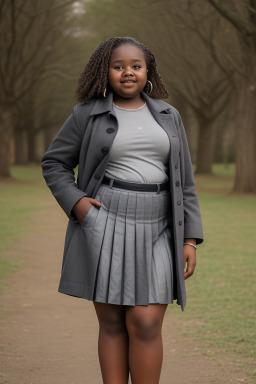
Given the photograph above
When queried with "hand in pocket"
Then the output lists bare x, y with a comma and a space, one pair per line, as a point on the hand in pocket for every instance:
82, 207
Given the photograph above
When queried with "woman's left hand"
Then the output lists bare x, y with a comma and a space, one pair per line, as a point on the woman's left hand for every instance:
189, 256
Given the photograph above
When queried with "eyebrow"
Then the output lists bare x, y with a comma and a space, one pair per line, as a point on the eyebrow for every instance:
121, 61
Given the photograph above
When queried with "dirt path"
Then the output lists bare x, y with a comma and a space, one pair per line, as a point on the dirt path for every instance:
50, 338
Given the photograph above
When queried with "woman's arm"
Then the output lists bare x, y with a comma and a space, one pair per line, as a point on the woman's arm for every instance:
189, 257
193, 230
192, 217
59, 161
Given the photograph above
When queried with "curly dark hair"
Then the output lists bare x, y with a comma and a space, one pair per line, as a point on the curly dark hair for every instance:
94, 78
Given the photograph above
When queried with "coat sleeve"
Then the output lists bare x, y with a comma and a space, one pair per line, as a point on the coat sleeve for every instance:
192, 216
59, 161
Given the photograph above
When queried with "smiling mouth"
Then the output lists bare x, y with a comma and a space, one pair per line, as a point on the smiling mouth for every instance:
128, 81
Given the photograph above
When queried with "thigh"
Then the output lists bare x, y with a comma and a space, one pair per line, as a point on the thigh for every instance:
110, 316
145, 318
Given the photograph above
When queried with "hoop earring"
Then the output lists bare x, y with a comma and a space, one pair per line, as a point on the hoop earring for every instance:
151, 87
104, 92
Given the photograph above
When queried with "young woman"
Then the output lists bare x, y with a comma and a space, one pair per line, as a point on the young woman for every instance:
134, 217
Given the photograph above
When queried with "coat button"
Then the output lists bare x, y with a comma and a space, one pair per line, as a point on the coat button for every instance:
179, 202
180, 222
97, 177
177, 183
104, 149
110, 130
177, 166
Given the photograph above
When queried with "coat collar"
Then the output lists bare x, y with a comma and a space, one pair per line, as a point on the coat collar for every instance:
103, 105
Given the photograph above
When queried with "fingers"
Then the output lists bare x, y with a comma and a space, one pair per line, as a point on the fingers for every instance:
190, 270
82, 207
94, 201
189, 257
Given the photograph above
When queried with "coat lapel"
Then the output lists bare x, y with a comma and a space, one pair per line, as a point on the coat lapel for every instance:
159, 109
165, 118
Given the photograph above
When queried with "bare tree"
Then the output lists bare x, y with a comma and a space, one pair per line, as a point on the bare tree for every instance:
30, 33
39, 110
238, 62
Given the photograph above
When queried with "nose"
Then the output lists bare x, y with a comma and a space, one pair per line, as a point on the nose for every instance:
128, 71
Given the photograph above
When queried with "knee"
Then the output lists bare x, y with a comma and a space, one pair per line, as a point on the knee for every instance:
111, 318
144, 329
112, 325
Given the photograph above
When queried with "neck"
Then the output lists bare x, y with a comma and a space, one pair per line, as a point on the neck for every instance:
129, 103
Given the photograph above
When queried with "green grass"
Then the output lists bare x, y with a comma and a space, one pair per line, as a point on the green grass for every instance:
19, 199
221, 295
226, 170
32, 173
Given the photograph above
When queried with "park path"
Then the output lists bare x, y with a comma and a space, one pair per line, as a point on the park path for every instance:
51, 338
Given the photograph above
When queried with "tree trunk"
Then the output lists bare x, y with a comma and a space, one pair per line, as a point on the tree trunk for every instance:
31, 140
5, 141
245, 178
205, 146
218, 146
20, 147
48, 136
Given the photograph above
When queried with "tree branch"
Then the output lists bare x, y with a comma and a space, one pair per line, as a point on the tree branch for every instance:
242, 25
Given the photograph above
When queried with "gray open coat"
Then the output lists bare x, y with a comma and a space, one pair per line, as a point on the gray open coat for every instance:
85, 139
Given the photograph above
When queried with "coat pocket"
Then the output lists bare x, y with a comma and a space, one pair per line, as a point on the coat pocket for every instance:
90, 217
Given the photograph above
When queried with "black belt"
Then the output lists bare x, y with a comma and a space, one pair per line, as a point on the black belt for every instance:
136, 186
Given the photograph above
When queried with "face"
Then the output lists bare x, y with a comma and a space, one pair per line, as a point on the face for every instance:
127, 74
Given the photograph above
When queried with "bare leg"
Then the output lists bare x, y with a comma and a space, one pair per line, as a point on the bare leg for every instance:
144, 325
113, 343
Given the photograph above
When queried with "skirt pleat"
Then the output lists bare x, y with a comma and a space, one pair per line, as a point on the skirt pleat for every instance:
129, 281
117, 259
132, 245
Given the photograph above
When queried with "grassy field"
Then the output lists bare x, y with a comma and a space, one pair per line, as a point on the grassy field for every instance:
19, 199
221, 304
221, 295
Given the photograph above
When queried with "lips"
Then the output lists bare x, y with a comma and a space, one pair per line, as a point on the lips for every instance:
127, 81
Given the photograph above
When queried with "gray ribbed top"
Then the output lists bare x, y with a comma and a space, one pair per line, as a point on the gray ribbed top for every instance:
140, 150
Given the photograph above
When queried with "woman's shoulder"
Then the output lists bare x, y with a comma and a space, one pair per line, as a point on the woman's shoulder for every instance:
162, 106
169, 107
84, 107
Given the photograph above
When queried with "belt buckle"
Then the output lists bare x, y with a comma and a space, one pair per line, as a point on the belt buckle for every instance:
111, 182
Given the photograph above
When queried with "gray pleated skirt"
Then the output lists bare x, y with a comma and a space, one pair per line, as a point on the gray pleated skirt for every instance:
131, 238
